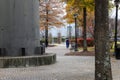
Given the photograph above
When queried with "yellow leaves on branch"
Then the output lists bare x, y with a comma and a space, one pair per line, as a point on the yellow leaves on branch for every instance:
76, 6
51, 14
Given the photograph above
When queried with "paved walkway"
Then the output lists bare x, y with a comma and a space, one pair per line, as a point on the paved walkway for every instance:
66, 68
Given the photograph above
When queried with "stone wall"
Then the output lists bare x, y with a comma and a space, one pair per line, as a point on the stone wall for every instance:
19, 27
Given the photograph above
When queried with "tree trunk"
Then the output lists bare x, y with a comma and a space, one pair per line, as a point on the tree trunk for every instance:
46, 27
84, 30
102, 58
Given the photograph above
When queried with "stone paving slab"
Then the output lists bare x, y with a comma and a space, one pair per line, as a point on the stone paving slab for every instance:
66, 68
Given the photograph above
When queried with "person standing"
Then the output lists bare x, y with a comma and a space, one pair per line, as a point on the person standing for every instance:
67, 43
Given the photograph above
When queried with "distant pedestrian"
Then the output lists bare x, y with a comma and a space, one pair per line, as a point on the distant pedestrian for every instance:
67, 43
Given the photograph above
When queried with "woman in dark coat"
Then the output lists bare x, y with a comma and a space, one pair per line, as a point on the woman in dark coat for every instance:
67, 43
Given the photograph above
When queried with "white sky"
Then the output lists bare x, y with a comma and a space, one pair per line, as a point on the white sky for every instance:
113, 13
62, 30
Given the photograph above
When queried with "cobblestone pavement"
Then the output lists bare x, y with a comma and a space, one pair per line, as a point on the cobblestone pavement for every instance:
66, 68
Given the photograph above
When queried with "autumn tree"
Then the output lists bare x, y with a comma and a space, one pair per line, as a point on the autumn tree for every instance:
102, 57
50, 15
85, 7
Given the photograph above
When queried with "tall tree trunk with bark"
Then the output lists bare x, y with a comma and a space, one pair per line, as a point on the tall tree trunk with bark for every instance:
84, 30
102, 58
46, 27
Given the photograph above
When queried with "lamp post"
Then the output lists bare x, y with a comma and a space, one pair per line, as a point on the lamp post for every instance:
116, 23
75, 17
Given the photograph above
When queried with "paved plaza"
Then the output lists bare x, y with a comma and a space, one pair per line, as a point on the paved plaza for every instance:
66, 68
